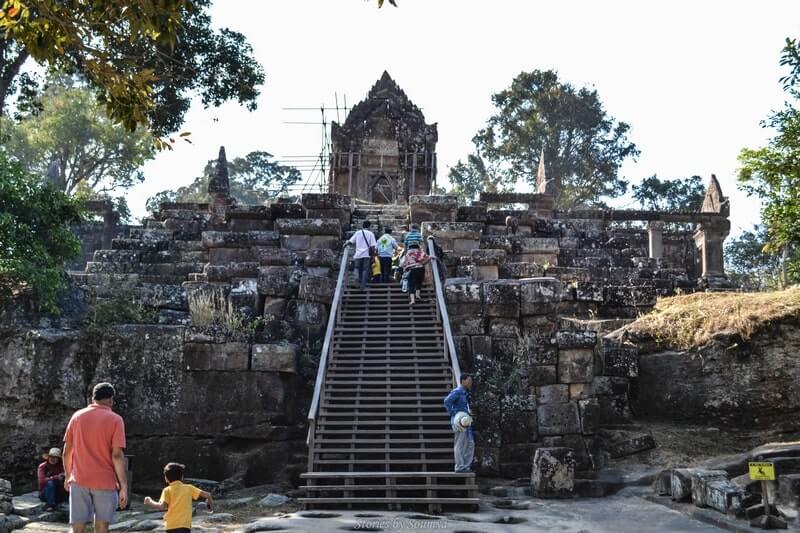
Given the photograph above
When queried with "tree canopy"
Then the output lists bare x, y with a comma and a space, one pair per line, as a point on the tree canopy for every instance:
145, 60
583, 146
670, 195
772, 172
749, 266
253, 179
35, 240
91, 155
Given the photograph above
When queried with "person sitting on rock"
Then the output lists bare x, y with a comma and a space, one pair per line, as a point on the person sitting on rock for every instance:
50, 477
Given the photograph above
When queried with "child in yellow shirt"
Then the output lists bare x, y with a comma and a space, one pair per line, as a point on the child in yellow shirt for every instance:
176, 499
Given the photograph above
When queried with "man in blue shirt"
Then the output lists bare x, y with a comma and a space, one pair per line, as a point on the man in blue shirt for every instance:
463, 439
413, 235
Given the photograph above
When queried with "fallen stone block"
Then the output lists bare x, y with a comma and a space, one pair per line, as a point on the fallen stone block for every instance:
553, 473
662, 485
700, 479
723, 496
681, 484
789, 490
631, 445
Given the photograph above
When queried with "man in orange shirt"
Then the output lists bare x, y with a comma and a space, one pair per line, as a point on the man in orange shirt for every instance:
94, 462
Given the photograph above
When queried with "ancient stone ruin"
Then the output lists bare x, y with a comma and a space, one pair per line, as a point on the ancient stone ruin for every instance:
384, 152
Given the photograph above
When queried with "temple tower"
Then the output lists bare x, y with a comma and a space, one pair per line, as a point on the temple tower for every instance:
384, 152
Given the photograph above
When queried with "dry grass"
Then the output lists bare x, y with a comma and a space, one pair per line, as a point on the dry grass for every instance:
690, 321
206, 306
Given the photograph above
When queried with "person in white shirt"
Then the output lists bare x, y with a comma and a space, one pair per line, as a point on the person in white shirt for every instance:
364, 241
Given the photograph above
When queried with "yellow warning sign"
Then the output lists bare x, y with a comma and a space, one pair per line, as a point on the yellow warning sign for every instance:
762, 471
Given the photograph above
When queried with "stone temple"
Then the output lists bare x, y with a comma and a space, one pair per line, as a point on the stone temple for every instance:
246, 351
384, 152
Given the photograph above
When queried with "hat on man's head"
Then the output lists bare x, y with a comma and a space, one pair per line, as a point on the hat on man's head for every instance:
102, 391
54, 452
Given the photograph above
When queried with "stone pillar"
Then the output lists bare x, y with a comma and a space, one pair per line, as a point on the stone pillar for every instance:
655, 233
709, 239
219, 190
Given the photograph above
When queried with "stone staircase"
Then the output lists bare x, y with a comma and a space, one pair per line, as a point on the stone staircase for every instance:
381, 437
381, 216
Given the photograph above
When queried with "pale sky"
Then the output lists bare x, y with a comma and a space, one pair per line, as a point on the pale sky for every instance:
692, 78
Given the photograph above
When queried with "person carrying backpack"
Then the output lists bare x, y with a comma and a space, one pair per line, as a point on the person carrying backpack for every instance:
364, 241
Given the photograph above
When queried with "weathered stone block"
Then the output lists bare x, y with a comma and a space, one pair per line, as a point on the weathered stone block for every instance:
225, 239
472, 213
789, 490
287, 210
226, 356
558, 419
277, 281
568, 274
552, 394
700, 479
539, 296
223, 256
453, 230
631, 445
521, 270
296, 242
309, 226
481, 345
274, 308
243, 296
722, 495
468, 325
231, 270
438, 208
575, 366
263, 238
542, 375
326, 201
327, 242
681, 484
320, 258
501, 298
486, 257
307, 313
576, 339
317, 289
616, 296
662, 485
277, 357
462, 291
484, 272
504, 327
619, 359
274, 257
539, 325
589, 291
553, 473
463, 246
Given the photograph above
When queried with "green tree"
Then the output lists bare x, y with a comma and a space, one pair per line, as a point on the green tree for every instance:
92, 155
253, 179
471, 178
145, 60
749, 265
35, 240
670, 195
772, 173
583, 146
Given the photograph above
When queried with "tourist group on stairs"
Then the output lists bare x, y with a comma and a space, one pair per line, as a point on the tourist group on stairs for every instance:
376, 259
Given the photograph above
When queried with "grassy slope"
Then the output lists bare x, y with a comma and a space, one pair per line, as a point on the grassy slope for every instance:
690, 321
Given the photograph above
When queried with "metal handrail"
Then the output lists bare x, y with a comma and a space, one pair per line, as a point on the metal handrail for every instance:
326, 346
440, 303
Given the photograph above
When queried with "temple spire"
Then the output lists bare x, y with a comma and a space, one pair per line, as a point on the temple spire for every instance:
541, 177
219, 184
714, 201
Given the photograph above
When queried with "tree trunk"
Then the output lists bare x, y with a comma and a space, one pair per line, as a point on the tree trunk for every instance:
11, 60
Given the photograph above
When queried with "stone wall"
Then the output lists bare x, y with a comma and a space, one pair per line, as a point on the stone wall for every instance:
209, 326
728, 382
